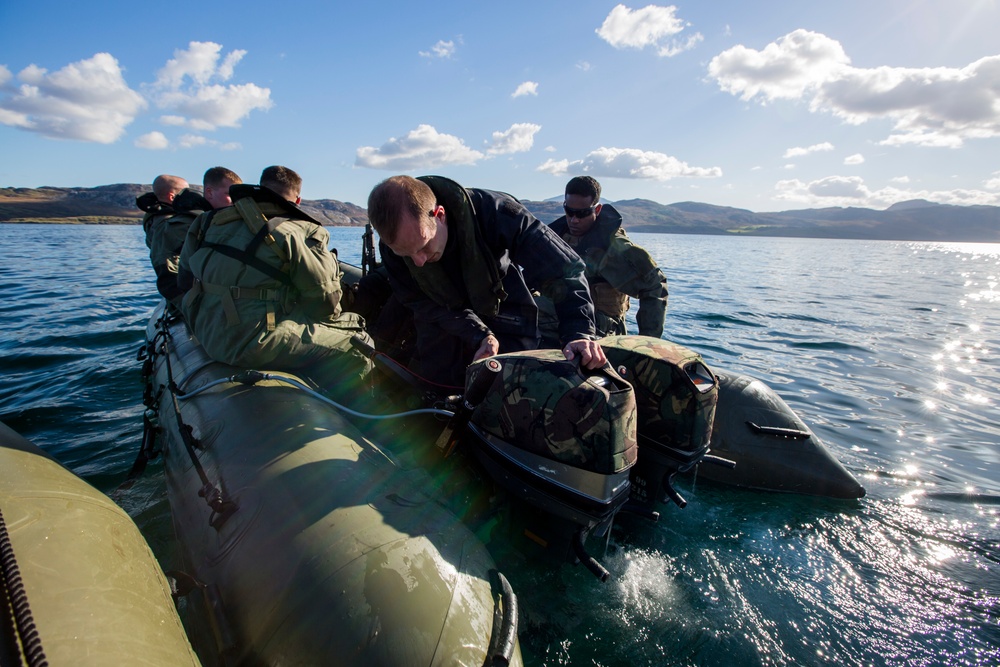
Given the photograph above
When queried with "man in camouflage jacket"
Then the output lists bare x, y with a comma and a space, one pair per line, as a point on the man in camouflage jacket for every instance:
616, 268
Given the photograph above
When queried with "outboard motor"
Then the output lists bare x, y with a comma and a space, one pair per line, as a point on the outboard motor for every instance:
676, 395
559, 439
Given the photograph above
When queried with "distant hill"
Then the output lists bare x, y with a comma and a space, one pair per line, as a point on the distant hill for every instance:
915, 220
115, 204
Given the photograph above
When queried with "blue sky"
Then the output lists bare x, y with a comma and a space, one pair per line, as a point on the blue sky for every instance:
768, 106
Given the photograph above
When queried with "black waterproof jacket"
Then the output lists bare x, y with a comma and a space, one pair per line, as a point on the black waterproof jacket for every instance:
522, 248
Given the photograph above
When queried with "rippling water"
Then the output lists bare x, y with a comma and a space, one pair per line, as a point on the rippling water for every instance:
887, 350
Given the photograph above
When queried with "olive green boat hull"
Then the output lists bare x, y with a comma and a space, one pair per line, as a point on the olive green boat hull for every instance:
335, 553
95, 592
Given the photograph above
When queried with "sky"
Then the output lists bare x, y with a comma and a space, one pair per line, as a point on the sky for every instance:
768, 106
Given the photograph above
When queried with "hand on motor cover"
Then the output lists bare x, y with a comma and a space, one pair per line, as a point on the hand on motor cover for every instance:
590, 351
489, 347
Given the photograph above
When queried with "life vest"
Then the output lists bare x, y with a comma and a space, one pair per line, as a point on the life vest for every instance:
154, 209
262, 212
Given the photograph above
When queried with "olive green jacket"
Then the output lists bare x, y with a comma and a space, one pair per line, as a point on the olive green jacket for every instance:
251, 313
166, 227
617, 269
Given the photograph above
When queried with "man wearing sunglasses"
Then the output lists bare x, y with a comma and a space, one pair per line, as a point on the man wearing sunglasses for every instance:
458, 258
616, 268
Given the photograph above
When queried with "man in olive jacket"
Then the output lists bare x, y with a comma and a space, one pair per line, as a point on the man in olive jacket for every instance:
616, 268
263, 289
170, 209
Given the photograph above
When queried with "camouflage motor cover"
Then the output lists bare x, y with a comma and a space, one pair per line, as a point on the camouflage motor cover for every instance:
675, 392
547, 405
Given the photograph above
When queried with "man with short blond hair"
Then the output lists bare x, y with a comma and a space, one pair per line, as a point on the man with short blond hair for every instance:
457, 258
284, 181
216, 183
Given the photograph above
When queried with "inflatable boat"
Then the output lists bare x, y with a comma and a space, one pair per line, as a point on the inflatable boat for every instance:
78, 583
307, 542
312, 531
770, 445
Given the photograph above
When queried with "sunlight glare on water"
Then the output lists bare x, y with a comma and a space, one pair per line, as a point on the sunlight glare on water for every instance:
887, 351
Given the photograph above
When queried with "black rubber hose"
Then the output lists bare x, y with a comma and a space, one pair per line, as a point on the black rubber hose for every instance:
588, 561
671, 493
504, 636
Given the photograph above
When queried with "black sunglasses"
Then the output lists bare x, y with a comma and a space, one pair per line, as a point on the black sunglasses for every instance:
578, 212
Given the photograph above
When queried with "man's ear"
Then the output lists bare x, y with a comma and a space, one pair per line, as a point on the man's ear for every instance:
298, 200
597, 210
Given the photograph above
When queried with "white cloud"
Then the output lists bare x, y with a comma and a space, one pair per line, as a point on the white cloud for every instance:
442, 49
209, 107
198, 63
799, 151
583, 65
526, 88
159, 141
5, 75
421, 148
638, 28
994, 182
900, 179
629, 163
225, 71
87, 101
15, 119
188, 86
931, 106
852, 160
554, 167
519, 138
192, 141
154, 141
852, 191
550, 149
784, 69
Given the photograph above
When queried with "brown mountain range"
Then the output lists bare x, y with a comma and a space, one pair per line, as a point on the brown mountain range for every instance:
915, 220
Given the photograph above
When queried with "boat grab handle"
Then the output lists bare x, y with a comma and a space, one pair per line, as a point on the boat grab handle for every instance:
793, 433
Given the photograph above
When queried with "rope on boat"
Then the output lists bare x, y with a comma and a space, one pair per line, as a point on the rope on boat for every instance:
16, 601
150, 429
222, 507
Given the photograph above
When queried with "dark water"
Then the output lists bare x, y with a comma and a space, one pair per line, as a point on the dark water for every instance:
887, 350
